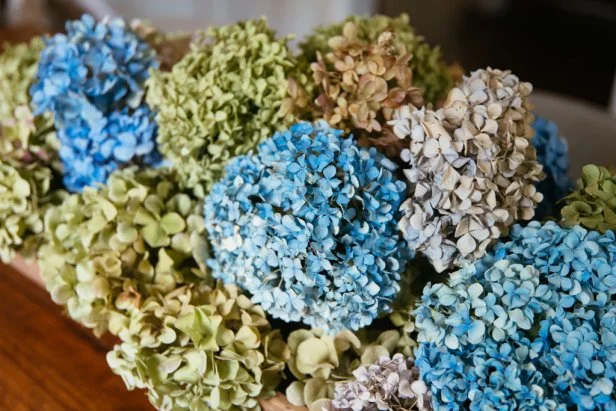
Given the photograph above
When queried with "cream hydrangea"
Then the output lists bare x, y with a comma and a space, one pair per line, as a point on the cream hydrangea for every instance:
471, 167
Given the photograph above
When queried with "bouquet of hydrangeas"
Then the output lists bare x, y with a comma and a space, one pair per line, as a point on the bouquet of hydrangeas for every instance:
348, 224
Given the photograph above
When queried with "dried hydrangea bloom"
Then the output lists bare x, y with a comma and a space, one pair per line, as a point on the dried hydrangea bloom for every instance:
319, 360
92, 80
200, 348
391, 383
237, 85
109, 249
593, 203
23, 192
361, 83
471, 170
429, 71
531, 326
308, 226
28, 155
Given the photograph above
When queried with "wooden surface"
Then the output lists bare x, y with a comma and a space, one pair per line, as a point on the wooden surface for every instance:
49, 363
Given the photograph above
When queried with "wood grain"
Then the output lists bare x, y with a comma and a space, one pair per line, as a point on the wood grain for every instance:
50, 363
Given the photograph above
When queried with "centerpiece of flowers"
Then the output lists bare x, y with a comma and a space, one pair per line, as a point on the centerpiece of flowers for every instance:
351, 224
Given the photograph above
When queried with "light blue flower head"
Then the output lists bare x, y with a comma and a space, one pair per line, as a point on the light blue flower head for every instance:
307, 225
92, 80
553, 154
529, 327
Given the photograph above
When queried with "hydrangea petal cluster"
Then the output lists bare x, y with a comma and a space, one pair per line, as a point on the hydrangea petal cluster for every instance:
553, 154
472, 169
593, 203
308, 227
107, 250
88, 78
90, 155
23, 136
392, 383
28, 155
361, 83
429, 71
530, 327
23, 194
200, 348
320, 362
236, 86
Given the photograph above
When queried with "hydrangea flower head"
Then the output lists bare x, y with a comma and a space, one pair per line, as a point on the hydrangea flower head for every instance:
92, 80
529, 327
29, 164
471, 168
389, 384
593, 202
307, 225
200, 348
553, 154
109, 248
429, 70
237, 85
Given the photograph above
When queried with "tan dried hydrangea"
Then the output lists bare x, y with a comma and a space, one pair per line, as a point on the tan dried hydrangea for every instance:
199, 348
361, 83
108, 249
318, 361
429, 70
472, 168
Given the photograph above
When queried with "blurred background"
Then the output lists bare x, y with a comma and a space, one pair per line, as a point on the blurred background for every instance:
566, 48
563, 46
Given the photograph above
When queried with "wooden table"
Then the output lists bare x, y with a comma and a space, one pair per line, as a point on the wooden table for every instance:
48, 362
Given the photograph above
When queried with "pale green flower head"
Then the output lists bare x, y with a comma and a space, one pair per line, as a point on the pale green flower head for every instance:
200, 348
24, 195
108, 249
28, 155
429, 70
236, 86
21, 132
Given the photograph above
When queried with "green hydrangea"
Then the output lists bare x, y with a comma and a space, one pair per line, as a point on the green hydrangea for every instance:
22, 190
200, 348
429, 71
109, 249
28, 155
21, 131
318, 361
593, 203
236, 86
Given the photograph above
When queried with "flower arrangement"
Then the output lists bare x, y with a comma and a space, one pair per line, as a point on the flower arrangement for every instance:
244, 219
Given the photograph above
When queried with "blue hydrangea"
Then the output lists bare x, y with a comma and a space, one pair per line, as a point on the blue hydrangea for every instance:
553, 154
307, 225
532, 326
92, 80
89, 155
